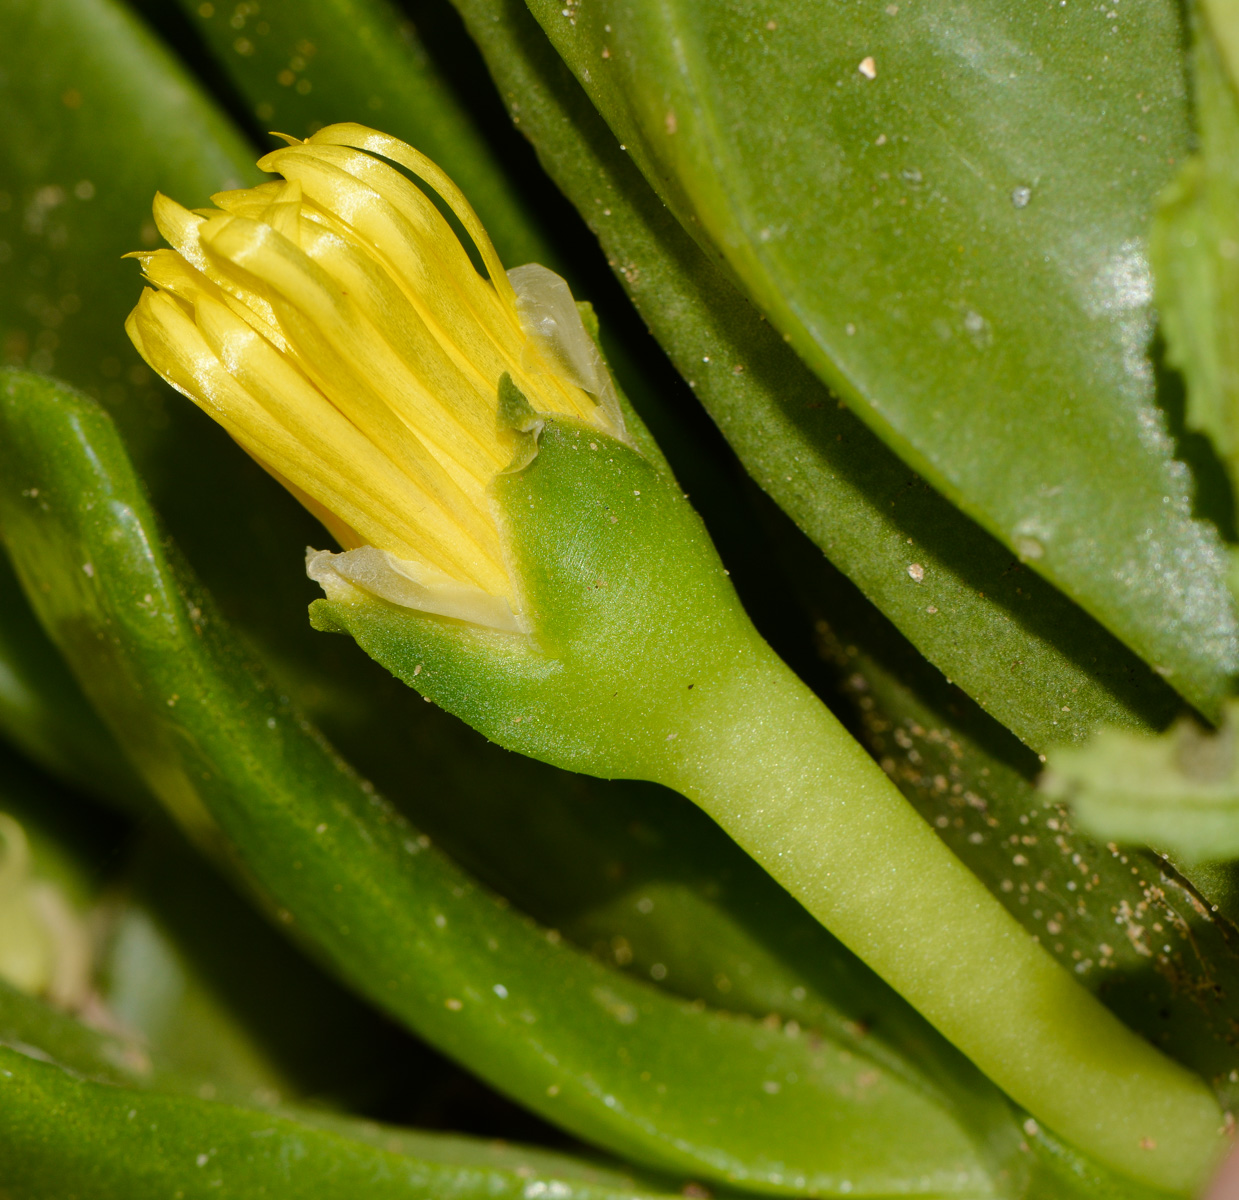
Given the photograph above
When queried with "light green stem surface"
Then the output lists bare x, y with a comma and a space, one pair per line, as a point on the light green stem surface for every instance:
789, 784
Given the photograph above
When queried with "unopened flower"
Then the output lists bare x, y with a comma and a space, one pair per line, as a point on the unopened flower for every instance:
338, 329
334, 324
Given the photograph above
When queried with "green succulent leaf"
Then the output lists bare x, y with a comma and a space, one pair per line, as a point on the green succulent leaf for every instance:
946, 214
99, 117
221, 1000
197, 971
91, 1058
1180, 791
302, 66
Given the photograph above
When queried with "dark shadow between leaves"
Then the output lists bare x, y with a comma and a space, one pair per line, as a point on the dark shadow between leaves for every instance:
1213, 496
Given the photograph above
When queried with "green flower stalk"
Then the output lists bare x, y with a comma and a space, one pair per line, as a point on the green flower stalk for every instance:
515, 548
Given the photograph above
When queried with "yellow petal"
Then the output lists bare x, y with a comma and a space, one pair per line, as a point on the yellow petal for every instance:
333, 323
362, 138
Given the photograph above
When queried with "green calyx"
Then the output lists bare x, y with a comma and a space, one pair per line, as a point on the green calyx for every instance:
633, 620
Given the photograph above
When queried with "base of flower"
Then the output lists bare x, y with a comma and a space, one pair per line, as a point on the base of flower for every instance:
409, 585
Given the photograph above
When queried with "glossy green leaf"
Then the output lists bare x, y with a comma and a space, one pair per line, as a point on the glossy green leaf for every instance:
151, 942
1002, 633
33, 1029
72, 200
29, 1025
98, 116
945, 212
217, 995
200, 997
1219, 884
614, 1061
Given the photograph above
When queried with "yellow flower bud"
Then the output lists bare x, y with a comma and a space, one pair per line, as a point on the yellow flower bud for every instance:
336, 327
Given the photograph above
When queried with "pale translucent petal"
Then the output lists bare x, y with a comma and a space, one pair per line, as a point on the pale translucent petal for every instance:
411, 585
551, 318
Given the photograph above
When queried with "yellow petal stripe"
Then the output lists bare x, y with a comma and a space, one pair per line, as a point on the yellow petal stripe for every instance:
333, 323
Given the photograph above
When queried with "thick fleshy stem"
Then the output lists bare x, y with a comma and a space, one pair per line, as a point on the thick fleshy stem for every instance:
777, 771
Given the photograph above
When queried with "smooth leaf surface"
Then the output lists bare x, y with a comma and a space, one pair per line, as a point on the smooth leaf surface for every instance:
216, 995
1030, 657
152, 944
945, 211
1180, 791
35, 1029
616, 1062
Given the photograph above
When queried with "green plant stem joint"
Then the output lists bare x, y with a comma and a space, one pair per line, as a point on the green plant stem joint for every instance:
640, 663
